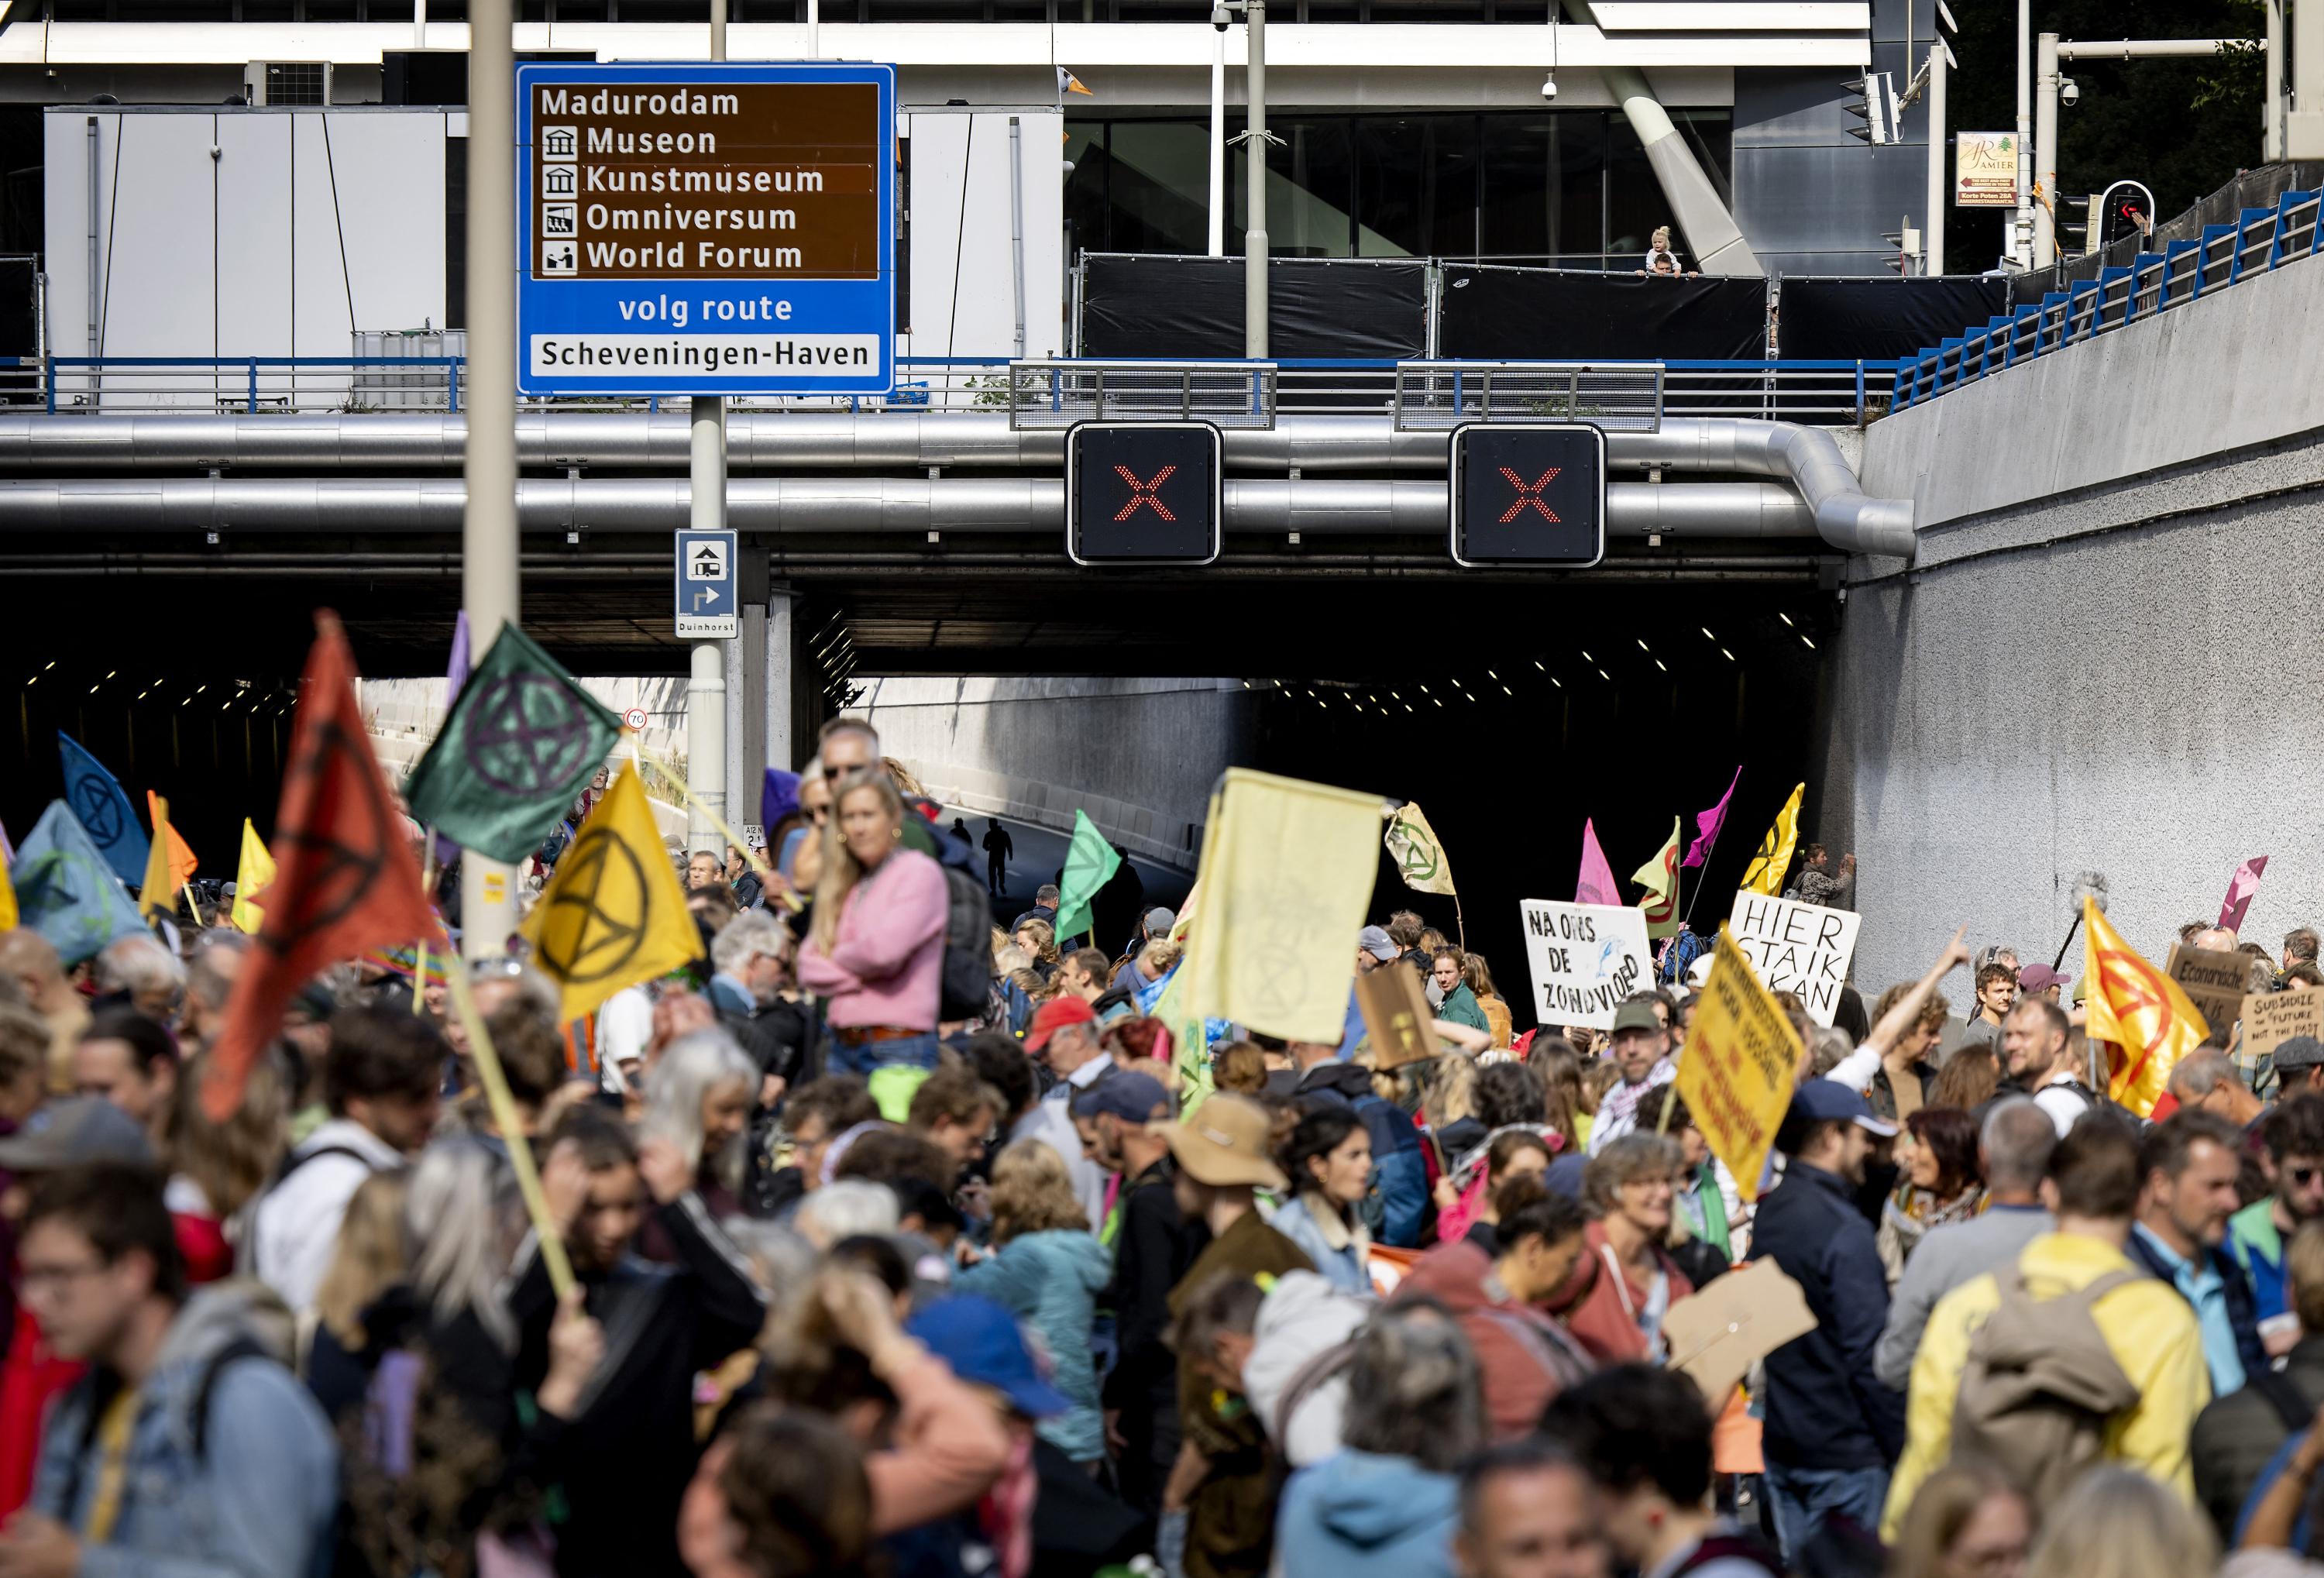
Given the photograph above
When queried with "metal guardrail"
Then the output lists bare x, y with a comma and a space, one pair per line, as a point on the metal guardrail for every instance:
1626, 397
2261, 240
1632, 396
1058, 394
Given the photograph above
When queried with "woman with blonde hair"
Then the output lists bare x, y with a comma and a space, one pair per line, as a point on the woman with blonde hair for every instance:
1038, 938
1967, 1520
368, 1260
216, 1169
1047, 1269
875, 954
1478, 976
2118, 1523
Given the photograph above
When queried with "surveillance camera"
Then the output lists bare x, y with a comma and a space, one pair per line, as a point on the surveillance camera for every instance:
1219, 18
2070, 91
1549, 86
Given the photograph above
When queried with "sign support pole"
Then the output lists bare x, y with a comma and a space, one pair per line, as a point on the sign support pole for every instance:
706, 690
488, 530
1254, 241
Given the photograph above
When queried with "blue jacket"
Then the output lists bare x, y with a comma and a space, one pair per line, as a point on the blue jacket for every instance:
255, 1501
2242, 1307
1826, 1407
1051, 1280
1359, 1515
1345, 1264
1400, 1167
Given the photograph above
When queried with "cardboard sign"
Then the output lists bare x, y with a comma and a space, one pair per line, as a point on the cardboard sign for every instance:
1586, 958
2213, 982
1730, 1325
1741, 1060
2273, 1018
1795, 947
1396, 1016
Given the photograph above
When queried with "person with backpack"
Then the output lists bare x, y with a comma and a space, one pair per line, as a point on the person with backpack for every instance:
1832, 1428
188, 1450
2071, 1356
1396, 1205
383, 1079
1643, 1435
875, 952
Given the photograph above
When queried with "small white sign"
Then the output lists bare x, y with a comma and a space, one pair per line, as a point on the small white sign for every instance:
1800, 948
1586, 958
635, 719
560, 220
706, 560
753, 836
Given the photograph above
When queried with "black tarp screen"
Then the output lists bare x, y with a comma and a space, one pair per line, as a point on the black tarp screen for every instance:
1495, 314
1881, 320
1182, 306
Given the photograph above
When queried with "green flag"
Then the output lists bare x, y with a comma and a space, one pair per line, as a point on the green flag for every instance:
1090, 865
521, 741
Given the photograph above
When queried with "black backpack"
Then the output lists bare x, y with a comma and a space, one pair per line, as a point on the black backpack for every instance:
966, 980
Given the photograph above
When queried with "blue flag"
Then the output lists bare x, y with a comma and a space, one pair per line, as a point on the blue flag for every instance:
66, 890
105, 813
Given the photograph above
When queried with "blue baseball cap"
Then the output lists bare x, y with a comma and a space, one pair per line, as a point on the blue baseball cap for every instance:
1826, 1101
1135, 1097
982, 1343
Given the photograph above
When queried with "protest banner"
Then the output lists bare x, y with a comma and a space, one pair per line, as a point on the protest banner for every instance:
1586, 958
2273, 1018
1397, 1017
1741, 1060
1795, 947
2213, 981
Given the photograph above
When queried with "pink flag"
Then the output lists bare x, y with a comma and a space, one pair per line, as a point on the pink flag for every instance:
1707, 825
1596, 885
2240, 889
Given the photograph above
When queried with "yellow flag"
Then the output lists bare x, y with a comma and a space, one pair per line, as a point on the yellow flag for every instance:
614, 914
1659, 877
1740, 1063
1419, 858
250, 879
1765, 873
1287, 869
2147, 1020
157, 895
7, 894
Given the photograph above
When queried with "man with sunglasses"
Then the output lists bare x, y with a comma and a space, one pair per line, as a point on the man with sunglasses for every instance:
2294, 1134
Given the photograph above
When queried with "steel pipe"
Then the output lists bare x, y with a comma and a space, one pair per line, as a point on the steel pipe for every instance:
814, 506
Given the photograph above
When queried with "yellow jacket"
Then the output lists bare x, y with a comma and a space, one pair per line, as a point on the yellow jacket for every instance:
2149, 1328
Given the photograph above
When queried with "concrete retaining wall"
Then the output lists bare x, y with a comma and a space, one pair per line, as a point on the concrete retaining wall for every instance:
2103, 659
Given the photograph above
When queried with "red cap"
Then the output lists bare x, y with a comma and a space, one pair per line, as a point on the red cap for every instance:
1054, 1016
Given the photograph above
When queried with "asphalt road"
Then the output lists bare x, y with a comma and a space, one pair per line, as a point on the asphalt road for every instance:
1039, 854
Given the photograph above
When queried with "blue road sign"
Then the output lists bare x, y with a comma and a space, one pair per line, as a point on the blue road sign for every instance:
705, 229
706, 584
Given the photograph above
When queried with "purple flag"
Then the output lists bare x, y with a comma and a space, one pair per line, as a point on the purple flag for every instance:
778, 798
2241, 887
1707, 825
1597, 884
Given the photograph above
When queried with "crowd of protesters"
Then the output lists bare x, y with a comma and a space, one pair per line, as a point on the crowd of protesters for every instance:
864, 1287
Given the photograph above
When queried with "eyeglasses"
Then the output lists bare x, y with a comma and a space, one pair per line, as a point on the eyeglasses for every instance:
36, 1279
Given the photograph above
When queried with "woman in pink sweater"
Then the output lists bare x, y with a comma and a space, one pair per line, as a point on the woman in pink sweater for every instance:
875, 953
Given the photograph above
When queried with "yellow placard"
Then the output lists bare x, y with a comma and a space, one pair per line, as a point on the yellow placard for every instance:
1287, 869
1741, 1060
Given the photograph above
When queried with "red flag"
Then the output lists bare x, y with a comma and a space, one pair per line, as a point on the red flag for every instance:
344, 877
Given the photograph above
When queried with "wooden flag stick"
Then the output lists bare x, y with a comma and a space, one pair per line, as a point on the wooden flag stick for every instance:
510, 1123
790, 901
419, 959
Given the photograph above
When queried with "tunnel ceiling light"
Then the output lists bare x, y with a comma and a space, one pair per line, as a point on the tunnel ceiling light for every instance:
1588, 659
1424, 690
1438, 702
1408, 706
1490, 675
1785, 618
1608, 678
1538, 663
1706, 633
1726, 654
92, 689
1643, 648
1811, 644
1507, 691
1663, 666
1554, 679
1466, 697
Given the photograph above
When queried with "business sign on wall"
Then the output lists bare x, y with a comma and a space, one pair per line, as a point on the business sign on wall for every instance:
705, 229
1985, 170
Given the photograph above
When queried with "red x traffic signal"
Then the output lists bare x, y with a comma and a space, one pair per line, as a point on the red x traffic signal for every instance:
1528, 493
1142, 492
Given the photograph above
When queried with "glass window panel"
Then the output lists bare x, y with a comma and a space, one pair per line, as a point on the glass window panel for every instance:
1086, 214
1391, 185
1310, 188
1635, 204
1544, 188
1157, 182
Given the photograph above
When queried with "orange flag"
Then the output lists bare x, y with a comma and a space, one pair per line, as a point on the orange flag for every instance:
181, 857
345, 880
2146, 1020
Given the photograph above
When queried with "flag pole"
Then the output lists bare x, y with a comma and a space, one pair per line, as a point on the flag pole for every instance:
512, 1126
1460, 925
1708, 851
427, 891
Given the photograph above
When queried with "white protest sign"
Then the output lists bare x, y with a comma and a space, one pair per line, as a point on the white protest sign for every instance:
1586, 958
1800, 948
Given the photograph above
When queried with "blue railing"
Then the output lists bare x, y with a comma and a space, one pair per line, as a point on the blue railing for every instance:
2260, 240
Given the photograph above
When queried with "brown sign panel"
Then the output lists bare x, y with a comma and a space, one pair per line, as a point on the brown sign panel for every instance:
2273, 1018
1400, 1024
725, 181
2213, 981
